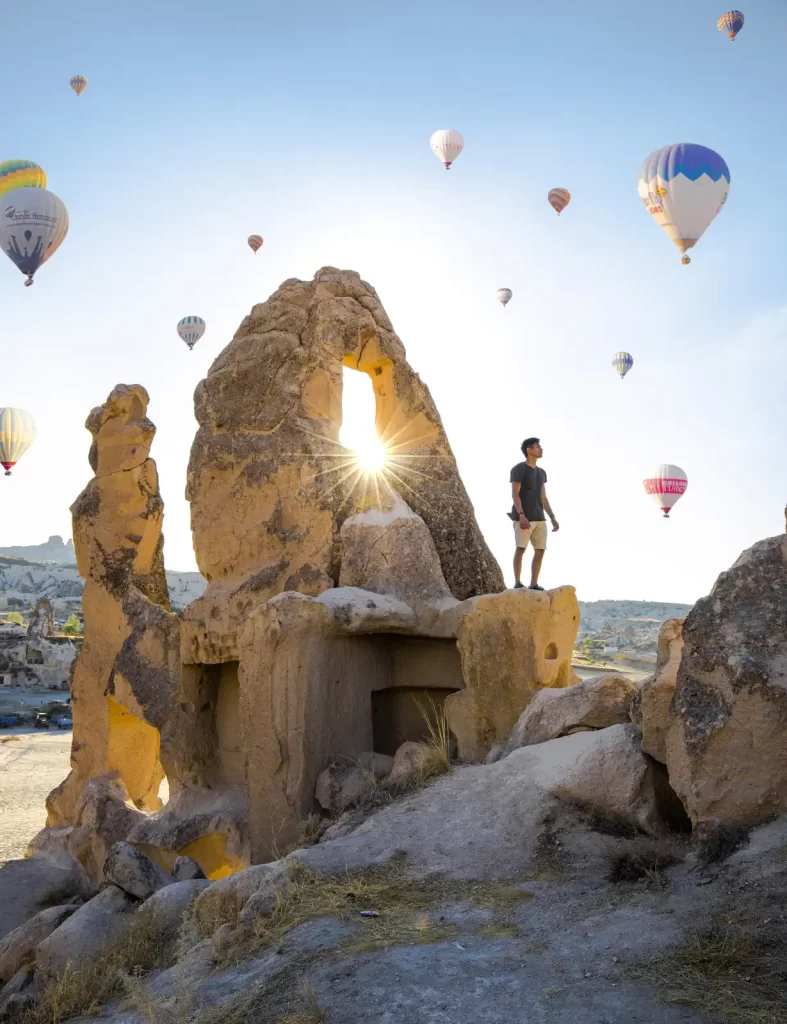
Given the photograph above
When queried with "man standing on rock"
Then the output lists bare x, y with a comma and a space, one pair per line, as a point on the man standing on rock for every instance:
530, 502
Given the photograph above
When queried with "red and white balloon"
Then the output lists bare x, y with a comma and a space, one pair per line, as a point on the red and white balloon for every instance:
665, 485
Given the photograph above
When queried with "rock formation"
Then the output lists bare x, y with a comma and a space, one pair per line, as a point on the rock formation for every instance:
651, 703
42, 621
342, 614
727, 737
35, 658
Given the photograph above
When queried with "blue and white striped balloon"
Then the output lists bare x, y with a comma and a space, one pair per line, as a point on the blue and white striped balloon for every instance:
622, 362
191, 329
683, 187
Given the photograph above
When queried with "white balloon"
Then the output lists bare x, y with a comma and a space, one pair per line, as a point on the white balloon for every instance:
504, 295
33, 223
446, 145
190, 329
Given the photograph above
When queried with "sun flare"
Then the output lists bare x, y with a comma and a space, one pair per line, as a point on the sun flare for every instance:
371, 456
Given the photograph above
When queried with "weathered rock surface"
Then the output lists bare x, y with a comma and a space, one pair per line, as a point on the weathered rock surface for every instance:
512, 645
590, 704
133, 872
42, 621
266, 478
17, 995
342, 786
19, 946
96, 928
650, 704
727, 738
165, 910
185, 870
37, 883
408, 759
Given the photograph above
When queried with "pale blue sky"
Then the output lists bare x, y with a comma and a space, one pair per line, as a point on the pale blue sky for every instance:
310, 123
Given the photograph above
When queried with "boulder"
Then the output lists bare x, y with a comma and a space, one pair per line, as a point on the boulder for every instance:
165, 910
185, 869
392, 552
591, 704
726, 748
223, 900
19, 946
133, 872
96, 928
342, 786
489, 821
17, 995
379, 765
408, 759
650, 704
36, 883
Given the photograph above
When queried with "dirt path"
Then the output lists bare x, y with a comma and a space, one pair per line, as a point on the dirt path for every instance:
30, 767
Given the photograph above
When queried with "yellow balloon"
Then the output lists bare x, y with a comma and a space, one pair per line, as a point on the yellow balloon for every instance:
17, 433
20, 174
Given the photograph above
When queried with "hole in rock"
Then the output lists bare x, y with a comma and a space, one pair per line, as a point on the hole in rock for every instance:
358, 431
422, 672
550, 654
219, 683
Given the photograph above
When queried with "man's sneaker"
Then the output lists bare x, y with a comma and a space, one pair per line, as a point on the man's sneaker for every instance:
519, 586
535, 586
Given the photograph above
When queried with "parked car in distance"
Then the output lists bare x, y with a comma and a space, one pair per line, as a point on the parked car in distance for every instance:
8, 721
64, 722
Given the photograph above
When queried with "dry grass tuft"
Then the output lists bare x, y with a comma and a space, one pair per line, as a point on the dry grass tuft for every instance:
498, 930
646, 866
119, 971
400, 901
551, 861
721, 842
741, 977
9, 739
309, 1013
437, 755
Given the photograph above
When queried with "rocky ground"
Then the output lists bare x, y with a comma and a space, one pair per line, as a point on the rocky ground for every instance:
32, 763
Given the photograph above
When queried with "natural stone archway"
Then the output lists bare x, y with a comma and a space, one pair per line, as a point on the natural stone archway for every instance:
270, 485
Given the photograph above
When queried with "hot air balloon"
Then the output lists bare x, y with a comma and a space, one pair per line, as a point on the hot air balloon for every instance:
622, 361
559, 198
255, 242
20, 174
17, 433
665, 485
446, 145
731, 23
191, 329
683, 187
78, 84
504, 295
33, 223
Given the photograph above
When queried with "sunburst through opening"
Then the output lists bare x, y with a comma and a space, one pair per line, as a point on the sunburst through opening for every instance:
358, 431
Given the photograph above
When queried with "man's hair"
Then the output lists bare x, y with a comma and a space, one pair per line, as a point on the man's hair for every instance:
529, 444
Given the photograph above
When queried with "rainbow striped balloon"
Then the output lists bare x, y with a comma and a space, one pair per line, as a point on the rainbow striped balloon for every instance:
559, 198
20, 174
17, 433
731, 23
78, 83
255, 242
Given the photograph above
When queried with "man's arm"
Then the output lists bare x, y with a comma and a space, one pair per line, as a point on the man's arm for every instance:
548, 509
516, 486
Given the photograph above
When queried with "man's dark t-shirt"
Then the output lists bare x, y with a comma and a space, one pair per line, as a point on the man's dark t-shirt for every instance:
532, 480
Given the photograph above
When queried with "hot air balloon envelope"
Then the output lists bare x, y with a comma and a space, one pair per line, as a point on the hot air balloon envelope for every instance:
255, 242
622, 361
446, 145
665, 485
504, 295
78, 84
17, 433
191, 329
731, 22
33, 223
20, 174
559, 198
683, 187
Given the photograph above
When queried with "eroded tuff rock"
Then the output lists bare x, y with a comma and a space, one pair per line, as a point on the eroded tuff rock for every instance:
727, 737
650, 704
268, 481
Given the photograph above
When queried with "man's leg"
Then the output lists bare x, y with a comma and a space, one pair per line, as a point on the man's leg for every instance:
518, 553
535, 569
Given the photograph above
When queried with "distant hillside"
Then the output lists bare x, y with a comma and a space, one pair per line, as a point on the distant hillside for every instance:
54, 550
594, 614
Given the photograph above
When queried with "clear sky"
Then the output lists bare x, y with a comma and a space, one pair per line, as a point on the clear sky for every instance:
309, 123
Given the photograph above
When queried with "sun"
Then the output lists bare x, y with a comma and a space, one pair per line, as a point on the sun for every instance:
371, 456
